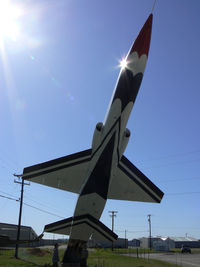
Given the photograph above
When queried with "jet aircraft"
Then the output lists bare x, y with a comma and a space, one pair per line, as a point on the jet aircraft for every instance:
102, 172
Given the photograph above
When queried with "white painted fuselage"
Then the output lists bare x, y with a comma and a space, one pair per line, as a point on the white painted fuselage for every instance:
114, 127
111, 137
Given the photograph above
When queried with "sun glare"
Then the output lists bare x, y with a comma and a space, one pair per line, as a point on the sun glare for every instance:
123, 63
9, 13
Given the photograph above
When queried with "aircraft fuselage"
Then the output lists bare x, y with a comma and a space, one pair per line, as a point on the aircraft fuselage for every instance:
110, 140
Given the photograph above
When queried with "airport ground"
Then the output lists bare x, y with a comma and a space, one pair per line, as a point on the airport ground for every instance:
185, 260
175, 257
32, 257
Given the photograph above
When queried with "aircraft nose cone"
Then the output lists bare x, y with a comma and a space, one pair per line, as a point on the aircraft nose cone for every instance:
142, 42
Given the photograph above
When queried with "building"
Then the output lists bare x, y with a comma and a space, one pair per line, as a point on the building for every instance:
10, 230
186, 241
157, 243
119, 243
145, 241
163, 244
134, 243
167, 243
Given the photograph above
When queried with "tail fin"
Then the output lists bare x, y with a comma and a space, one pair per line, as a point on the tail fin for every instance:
87, 222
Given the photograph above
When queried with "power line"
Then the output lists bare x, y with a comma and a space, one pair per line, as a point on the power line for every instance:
47, 212
7, 163
179, 179
44, 204
182, 193
170, 156
138, 231
173, 163
10, 198
9, 159
131, 231
44, 211
7, 193
175, 227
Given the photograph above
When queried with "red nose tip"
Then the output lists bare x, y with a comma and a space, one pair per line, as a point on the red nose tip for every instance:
142, 43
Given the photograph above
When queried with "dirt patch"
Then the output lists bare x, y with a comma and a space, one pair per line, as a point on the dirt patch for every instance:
38, 252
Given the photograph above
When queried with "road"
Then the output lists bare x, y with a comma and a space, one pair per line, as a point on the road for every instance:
185, 260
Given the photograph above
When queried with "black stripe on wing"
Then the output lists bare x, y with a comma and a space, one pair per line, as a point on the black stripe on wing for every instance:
142, 179
87, 219
72, 159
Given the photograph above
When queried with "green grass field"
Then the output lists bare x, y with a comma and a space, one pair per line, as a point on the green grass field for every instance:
146, 251
106, 258
193, 250
99, 258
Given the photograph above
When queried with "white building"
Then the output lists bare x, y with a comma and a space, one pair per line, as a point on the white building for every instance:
157, 243
168, 243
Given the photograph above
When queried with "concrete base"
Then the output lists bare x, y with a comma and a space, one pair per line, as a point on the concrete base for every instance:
76, 254
70, 264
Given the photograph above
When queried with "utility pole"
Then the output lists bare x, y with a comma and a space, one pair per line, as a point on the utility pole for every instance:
125, 238
113, 214
20, 211
149, 220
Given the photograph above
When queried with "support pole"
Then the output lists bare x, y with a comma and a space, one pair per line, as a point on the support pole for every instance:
125, 239
113, 214
20, 214
149, 220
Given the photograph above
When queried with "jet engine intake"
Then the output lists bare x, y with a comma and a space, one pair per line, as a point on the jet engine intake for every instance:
127, 133
99, 126
97, 135
124, 141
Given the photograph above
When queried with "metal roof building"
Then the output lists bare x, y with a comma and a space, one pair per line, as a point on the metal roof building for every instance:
10, 231
186, 241
167, 243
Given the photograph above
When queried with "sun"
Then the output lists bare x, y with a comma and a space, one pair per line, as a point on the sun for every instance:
9, 14
123, 63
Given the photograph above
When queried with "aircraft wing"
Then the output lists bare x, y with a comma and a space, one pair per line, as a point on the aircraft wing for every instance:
129, 183
83, 223
67, 173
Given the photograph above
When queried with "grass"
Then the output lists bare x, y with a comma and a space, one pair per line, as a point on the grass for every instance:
134, 250
27, 258
36, 257
106, 258
142, 251
193, 250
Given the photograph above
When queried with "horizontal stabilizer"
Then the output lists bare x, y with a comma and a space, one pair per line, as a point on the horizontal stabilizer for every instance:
66, 173
129, 183
81, 223
60, 227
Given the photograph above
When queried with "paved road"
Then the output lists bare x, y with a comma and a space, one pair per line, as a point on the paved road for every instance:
185, 260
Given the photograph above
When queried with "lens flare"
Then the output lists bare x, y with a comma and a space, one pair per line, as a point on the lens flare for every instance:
123, 64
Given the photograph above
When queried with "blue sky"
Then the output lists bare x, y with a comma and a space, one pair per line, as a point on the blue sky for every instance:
57, 73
